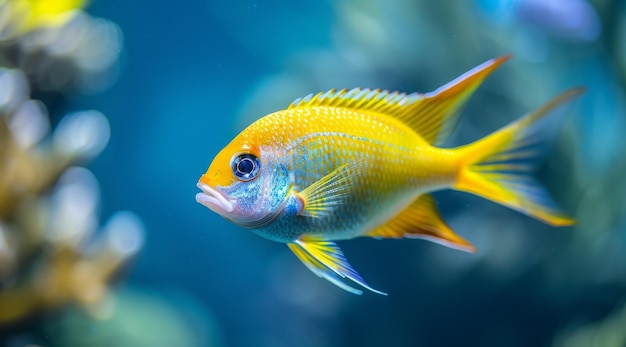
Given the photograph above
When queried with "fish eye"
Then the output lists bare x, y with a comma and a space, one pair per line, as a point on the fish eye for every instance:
245, 166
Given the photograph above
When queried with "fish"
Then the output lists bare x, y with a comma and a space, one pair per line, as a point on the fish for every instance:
363, 162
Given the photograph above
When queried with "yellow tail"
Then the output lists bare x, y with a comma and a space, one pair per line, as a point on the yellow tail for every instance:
499, 167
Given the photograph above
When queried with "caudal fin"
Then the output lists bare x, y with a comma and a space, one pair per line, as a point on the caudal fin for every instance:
499, 167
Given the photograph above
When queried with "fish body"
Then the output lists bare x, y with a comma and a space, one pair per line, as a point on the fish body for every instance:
385, 159
361, 162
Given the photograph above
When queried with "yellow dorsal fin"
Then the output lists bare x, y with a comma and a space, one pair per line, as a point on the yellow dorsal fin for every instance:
421, 220
432, 115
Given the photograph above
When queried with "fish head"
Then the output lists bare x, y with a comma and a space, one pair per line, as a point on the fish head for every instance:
245, 184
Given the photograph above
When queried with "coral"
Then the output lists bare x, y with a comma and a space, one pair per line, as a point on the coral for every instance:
52, 250
59, 46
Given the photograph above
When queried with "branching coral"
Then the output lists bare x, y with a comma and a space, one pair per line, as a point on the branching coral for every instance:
52, 251
57, 45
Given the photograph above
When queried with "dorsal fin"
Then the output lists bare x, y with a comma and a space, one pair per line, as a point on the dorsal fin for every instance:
432, 115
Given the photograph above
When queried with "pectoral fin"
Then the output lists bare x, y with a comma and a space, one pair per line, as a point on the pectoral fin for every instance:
320, 198
422, 220
326, 260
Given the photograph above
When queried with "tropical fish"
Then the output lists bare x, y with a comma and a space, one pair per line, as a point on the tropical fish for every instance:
343, 164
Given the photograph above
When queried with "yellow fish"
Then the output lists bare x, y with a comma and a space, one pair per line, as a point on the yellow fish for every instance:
361, 162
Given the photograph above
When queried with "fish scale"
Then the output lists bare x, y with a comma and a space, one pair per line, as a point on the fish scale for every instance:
391, 175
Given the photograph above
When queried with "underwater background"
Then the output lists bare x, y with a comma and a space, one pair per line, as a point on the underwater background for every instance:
111, 110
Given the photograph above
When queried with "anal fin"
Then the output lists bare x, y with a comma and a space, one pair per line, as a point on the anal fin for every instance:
422, 220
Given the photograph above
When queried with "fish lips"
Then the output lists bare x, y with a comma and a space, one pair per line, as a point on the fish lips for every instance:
214, 199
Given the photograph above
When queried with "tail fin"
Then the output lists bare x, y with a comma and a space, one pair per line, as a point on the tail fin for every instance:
499, 166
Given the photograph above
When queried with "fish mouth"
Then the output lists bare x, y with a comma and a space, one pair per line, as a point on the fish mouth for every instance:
214, 199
